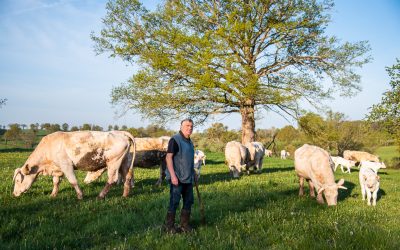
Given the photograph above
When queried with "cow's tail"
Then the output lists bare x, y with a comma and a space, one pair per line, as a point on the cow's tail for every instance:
132, 148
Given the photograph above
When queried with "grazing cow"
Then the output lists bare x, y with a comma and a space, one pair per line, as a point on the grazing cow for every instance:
60, 153
199, 157
315, 165
369, 182
372, 165
359, 156
337, 160
150, 152
268, 153
236, 156
284, 154
256, 150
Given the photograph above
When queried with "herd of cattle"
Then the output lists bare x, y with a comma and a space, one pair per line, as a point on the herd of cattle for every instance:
117, 152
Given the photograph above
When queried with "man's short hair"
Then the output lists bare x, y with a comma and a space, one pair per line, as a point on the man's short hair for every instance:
187, 119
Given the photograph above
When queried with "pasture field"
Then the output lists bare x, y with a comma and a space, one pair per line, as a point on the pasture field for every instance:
259, 211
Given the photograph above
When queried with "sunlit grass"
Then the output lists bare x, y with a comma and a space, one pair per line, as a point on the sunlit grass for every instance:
258, 211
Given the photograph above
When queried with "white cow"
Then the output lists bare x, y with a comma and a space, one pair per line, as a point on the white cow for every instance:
284, 154
268, 153
372, 165
256, 150
369, 182
199, 157
60, 153
315, 165
337, 160
236, 156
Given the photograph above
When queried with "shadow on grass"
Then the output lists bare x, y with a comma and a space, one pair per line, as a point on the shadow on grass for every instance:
15, 150
346, 193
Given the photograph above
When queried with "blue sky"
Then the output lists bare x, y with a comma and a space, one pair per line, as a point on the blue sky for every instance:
50, 73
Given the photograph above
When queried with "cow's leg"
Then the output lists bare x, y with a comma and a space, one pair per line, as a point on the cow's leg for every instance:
374, 197
363, 191
162, 173
56, 182
301, 184
260, 162
128, 182
70, 175
312, 188
369, 197
112, 171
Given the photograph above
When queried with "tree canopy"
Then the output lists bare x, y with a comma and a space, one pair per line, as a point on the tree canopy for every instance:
199, 58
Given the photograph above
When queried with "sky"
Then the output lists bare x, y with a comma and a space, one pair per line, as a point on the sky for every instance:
49, 71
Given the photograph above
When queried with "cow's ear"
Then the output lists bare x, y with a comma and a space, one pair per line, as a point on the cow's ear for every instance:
378, 178
25, 169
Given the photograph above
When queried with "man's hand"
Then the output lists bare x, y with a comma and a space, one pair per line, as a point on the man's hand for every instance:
174, 180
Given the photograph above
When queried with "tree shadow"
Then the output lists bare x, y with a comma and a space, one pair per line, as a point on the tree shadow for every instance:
273, 170
15, 150
212, 162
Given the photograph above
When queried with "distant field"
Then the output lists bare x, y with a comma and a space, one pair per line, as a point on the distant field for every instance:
259, 211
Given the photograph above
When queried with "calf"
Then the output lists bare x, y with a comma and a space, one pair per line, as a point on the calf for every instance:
372, 165
199, 157
268, 153
369, 182
284, 154
256, 150
337, 160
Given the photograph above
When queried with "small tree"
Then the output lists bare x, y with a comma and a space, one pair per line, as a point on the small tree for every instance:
96, 128
86, 126
387, 112
13, 134
74, 128
116, 127
65, 126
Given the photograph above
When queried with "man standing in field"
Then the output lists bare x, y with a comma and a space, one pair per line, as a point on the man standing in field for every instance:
180, 174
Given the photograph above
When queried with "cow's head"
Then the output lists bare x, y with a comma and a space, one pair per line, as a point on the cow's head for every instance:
331, 192
23, 178
371, 180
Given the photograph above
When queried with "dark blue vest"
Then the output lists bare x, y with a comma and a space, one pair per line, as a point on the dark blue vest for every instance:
183, 160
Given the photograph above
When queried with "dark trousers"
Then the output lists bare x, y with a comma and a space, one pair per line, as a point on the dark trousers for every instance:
184, 190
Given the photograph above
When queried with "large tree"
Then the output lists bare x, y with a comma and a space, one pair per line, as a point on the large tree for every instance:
387, 112
199, 58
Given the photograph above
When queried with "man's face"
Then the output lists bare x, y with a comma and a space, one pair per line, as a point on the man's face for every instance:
187, 128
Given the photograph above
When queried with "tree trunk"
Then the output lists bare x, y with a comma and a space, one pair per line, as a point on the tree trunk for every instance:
248, 122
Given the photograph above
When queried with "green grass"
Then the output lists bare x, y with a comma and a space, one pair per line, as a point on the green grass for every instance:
390, 155
259, 211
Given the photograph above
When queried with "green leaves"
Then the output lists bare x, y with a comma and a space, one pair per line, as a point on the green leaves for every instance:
210, 57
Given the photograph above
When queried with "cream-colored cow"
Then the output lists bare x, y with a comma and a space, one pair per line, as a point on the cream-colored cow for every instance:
315, 165
60, 153
236, 156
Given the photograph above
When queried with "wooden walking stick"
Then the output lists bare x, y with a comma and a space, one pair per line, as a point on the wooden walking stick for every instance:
202, 214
